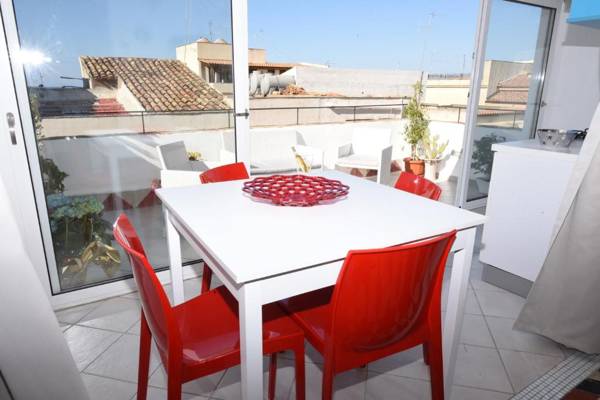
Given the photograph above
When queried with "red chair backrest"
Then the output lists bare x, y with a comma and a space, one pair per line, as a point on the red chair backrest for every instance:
384, 295
229, 172
155, 302
418, 185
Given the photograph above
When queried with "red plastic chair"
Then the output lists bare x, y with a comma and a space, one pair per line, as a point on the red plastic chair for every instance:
418, 185
201, 336
228, 172
385, 301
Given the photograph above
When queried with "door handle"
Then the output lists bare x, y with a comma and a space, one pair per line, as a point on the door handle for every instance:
10, 121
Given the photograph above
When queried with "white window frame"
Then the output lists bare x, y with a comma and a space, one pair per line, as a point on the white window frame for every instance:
29, 192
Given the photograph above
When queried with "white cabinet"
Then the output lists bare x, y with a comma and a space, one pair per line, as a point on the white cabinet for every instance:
526, 190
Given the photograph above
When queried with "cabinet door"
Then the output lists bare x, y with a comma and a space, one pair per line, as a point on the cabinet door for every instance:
522, 207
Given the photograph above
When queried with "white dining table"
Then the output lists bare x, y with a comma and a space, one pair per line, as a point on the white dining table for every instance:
264, 253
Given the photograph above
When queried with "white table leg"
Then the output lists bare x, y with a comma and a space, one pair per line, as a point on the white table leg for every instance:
457, 295
176, 266
250, 307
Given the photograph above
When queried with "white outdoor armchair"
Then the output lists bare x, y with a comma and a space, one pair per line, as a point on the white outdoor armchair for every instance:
271, 151
176, 168
370, 148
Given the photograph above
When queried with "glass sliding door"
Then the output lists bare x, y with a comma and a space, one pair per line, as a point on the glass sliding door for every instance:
317, 89
512, 64
105, 83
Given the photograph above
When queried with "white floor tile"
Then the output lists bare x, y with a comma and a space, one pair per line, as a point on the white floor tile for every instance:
135, 328
74, 314
524, 368
465, 393
100, 388
203, 386
475, 331
510, 339
63, 326
471, 305
117, 314
161, 394
482, 368
311, 355
380, 387
87, 344
408, 364
230, 385
120, 361
192, 287
476, 278
500, 304
349, 385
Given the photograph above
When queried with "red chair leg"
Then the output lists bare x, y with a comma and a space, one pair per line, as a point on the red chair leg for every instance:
425, 353
144, 359
206, 278
436, 367
174, 385
300, 373
272, 376
327, 390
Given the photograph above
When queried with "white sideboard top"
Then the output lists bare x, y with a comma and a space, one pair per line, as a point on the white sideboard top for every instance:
533, 146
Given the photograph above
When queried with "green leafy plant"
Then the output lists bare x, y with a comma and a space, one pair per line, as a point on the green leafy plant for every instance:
431, 148
418, 124
483, 157
80, 235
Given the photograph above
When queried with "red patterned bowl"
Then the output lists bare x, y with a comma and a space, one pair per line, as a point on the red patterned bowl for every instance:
295, 190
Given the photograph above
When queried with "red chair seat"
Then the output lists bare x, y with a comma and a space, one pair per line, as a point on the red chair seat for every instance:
215, 334
312, 311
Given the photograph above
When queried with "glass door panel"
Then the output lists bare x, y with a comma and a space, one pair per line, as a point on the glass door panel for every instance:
106, 83
513, 65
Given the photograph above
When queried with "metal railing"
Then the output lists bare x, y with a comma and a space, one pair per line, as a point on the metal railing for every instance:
143, 122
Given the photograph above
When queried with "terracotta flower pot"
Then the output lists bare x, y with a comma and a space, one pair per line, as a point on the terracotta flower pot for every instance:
416, 167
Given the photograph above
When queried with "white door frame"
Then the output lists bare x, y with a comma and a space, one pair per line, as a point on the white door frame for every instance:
14, 162
483, 23
24, 172
241, 98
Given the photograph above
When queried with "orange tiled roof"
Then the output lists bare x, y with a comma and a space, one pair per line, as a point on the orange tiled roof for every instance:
517, 81
158, 84
514, 90
509, 96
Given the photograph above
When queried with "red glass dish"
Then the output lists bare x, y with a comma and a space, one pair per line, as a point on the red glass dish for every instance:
295, 190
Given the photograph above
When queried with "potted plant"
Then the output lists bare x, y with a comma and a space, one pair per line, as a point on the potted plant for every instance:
432, 152
417, 128
482, 160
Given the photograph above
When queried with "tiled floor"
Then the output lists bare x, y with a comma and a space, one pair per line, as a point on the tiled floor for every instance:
494, 361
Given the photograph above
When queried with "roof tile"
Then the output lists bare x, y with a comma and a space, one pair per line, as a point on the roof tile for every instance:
158, 84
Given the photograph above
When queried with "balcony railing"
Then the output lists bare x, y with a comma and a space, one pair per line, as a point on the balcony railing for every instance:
143, 122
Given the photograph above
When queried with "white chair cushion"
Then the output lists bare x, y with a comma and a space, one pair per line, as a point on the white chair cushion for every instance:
359, 161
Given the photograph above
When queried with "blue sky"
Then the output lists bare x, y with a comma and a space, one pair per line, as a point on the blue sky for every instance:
436, 35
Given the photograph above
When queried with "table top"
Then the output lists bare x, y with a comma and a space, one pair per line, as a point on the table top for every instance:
253, 240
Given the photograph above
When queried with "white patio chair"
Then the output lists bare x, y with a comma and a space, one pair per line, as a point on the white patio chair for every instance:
370, 148
176, 168
271, 151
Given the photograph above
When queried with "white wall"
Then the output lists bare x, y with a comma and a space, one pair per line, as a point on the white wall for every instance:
355, 82
34, 357
572, 86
